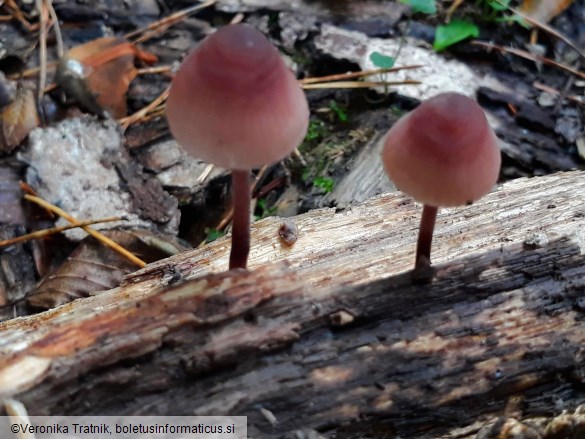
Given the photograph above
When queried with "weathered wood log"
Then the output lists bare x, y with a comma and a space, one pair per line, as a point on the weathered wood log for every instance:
334, 335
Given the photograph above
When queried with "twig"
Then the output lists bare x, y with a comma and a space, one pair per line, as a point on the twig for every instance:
564, 92
154, 105
544, 27
206, 172
18, 415
549, 89
42, 51
353, 75
230, 213
154, 70
529, 56
452, 10
154, 113
54, 230
18, 15
237, 18
129, 120
358, 84
271, 186
28, 189
58, 36
225, 220
299, 156
33, 71
161, 25
97, 235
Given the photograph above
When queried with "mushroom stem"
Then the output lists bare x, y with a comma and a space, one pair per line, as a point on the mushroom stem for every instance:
241, 198
425, 237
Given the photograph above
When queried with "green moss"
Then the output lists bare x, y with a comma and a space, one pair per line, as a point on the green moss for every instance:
339, 110
211, 234
324, 183
262, 210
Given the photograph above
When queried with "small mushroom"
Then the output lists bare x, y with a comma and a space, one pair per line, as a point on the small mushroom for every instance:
234, 103
443, 153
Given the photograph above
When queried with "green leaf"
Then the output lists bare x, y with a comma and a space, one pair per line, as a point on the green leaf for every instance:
341, 113
315, 131
382, 61
514, 19
263, 209
324, 183
500, 5
423, 6
212, 234
455, 31
261, 204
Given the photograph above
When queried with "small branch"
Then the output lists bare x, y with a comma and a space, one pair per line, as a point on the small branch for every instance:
155, 70
17, 14
97, 235
133, 118
159, 26
54, 230
57, 27
529, 56
353, 75
42, 51
358, 84
544, 27
546, 88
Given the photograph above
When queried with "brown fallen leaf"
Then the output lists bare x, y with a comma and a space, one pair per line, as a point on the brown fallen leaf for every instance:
92, 267
544, 10
18, 119
97, 74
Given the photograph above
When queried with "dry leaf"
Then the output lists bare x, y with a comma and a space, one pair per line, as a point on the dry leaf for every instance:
97, 74
544, 10
93, 267
18, 119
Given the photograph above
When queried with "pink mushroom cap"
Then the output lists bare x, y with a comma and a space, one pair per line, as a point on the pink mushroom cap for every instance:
443, 153
234, 102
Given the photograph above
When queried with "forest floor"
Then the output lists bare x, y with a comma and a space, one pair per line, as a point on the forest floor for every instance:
531, 84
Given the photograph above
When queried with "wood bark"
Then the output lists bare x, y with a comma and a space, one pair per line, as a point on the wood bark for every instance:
335, 336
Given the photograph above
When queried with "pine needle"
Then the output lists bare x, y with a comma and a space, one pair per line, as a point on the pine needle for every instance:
97, 235
54, 230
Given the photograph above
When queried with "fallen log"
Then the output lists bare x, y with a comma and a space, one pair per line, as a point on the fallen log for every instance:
333, 335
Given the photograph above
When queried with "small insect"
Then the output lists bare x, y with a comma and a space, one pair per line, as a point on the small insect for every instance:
288, 232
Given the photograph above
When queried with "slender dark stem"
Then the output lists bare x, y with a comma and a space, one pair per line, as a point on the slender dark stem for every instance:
425, 237
241, 198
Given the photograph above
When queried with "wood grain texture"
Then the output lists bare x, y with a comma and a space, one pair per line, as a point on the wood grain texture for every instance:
333, 335
377, 238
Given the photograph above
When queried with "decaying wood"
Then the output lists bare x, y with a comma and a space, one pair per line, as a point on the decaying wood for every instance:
333, 334
365, 178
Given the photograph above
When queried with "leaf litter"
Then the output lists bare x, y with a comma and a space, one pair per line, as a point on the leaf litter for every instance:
93, 167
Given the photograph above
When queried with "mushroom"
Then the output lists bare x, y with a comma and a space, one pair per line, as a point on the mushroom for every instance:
443, 153
235, 104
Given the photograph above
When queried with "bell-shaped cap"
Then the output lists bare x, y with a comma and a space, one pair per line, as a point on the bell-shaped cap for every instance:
443, 153
234, 102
